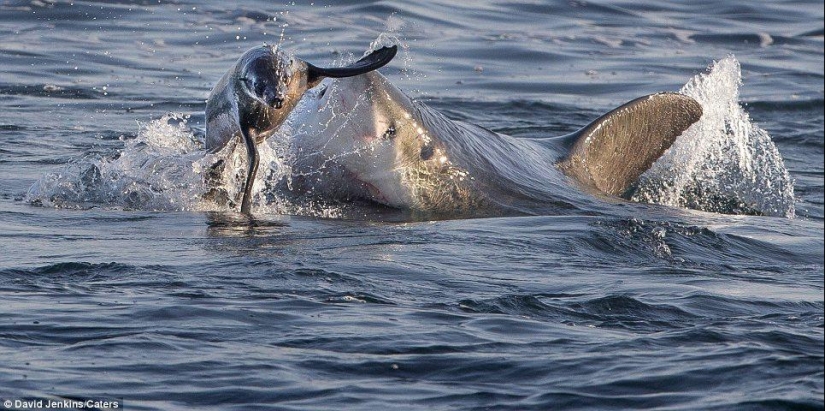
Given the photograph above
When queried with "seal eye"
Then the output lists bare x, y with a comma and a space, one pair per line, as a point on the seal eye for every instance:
254, 87
264, 92
260, 88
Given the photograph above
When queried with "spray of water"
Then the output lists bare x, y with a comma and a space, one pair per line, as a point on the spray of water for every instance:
724, 163
164, 168
152, 172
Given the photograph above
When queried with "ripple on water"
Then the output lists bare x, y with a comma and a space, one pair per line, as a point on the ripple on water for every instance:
620, 306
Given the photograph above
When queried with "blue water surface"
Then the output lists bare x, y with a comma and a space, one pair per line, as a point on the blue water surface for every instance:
619, 307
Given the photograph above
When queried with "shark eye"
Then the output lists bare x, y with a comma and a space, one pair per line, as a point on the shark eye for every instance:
390, 133
427, 152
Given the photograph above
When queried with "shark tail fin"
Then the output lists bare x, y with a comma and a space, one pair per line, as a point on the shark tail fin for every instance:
611, 153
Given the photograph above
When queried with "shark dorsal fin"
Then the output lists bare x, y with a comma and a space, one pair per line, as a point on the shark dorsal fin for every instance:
611, 153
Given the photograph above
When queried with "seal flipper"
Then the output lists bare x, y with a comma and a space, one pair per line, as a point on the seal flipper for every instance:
370, 62
253, 159
611, 153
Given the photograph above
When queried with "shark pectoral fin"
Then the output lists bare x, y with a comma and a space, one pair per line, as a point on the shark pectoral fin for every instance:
612, 152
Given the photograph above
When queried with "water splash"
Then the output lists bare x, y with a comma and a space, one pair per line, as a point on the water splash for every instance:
152, 172
724, 163
162, 169
165, 168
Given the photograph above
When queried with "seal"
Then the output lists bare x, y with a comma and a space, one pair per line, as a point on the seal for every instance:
257, 94
361, 138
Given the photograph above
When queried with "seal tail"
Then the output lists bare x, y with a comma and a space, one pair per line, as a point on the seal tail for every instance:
611, 153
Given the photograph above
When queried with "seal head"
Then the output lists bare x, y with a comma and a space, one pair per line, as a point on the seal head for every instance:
257, 94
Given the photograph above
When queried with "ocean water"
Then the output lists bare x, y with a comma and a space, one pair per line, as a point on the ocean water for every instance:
119, 282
